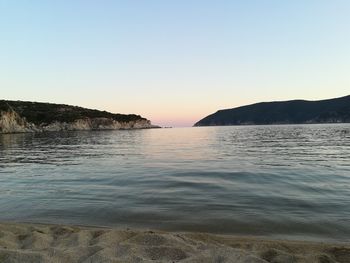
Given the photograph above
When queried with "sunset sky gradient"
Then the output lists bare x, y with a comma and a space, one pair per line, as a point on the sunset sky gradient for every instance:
173, 62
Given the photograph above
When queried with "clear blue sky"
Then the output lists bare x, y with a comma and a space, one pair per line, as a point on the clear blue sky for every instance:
173, 61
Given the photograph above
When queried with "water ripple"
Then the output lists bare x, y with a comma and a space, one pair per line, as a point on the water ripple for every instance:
270, 180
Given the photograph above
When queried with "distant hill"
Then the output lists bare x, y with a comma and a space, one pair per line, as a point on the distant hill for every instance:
283, 112
25, 116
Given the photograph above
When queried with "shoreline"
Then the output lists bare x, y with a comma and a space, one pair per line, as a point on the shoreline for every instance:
79, 130
36, 242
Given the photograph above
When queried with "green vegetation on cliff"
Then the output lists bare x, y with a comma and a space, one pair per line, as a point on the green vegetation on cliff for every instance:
47, 113
283, 112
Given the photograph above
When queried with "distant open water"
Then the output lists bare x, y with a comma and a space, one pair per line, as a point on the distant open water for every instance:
288, 181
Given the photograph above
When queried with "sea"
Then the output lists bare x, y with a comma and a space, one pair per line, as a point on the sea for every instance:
278, 181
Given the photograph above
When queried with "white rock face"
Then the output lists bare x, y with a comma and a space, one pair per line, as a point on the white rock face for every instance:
11, 122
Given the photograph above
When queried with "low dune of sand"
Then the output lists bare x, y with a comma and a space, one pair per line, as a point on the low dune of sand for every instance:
56, 243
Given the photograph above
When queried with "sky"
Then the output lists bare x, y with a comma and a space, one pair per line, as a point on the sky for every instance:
174, 61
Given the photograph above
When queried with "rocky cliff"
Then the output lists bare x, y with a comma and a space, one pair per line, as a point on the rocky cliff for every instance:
18, 116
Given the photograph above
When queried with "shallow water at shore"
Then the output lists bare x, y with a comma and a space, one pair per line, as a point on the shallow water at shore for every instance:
289, 181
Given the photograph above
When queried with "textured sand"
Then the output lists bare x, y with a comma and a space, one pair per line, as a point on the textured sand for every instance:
53, 243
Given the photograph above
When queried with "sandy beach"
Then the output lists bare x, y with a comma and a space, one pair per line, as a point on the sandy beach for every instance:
58, 243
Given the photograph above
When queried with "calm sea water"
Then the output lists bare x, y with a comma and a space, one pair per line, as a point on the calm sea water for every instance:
281, 181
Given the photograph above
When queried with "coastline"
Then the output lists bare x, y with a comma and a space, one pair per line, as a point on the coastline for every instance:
28, 242
29, 117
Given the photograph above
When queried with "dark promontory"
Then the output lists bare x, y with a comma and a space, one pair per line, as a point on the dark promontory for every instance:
283, 112
24, 116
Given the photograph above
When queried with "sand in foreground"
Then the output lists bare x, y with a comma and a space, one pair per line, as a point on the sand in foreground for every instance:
55, 243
